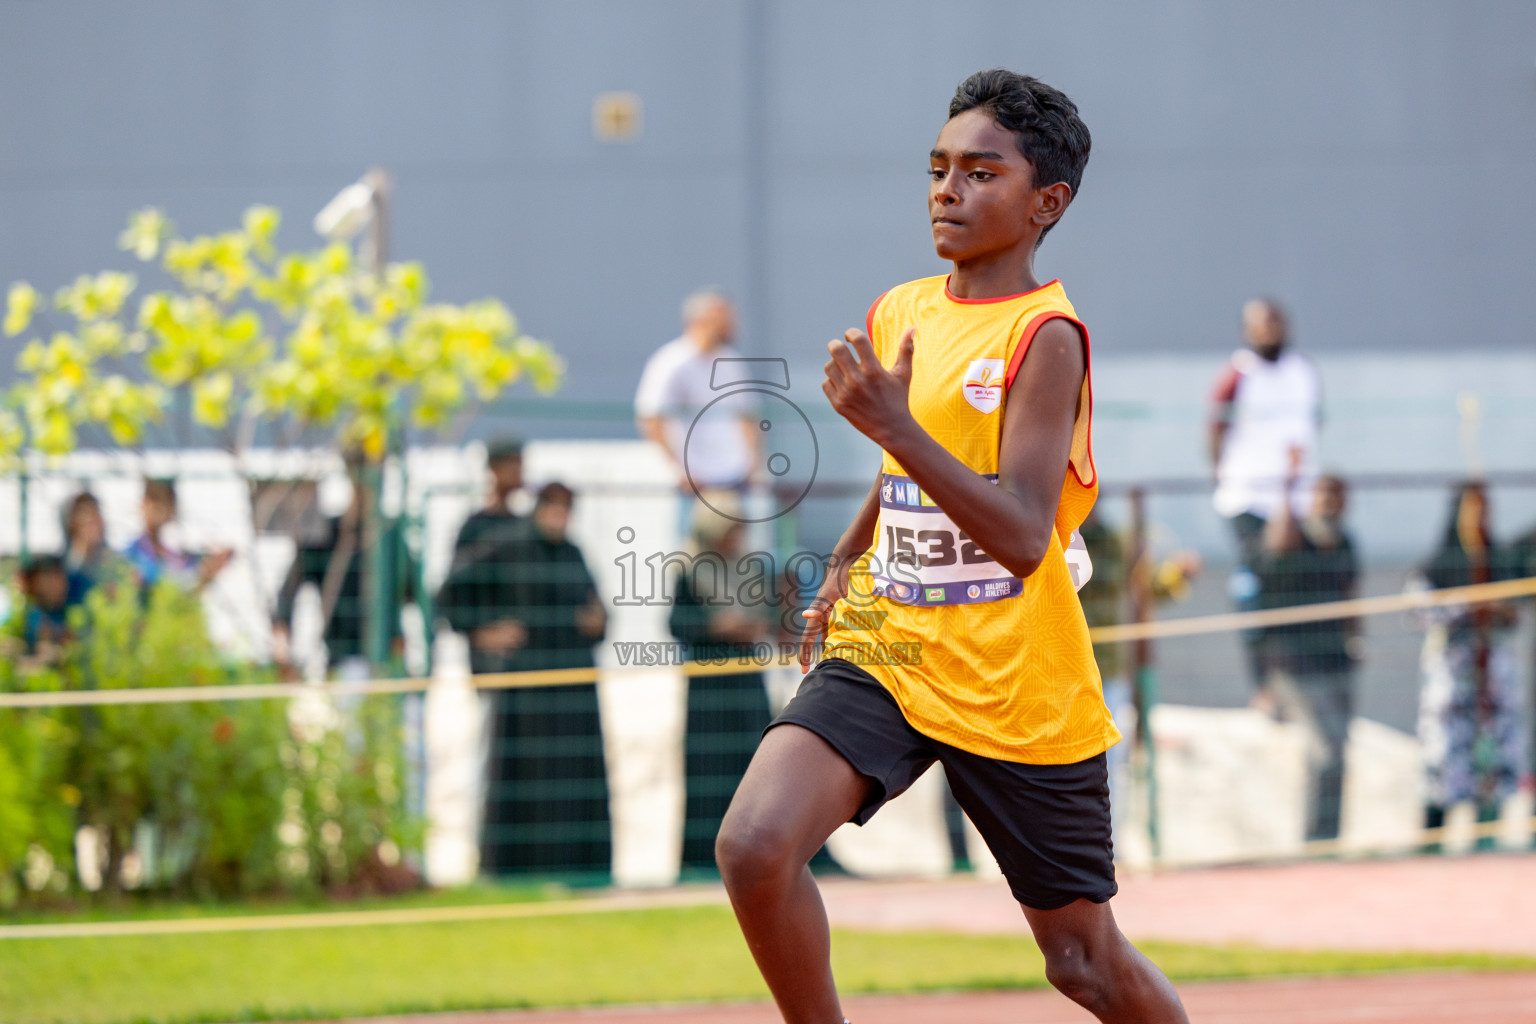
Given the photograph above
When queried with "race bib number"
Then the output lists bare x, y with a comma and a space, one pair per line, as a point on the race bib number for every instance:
924, 558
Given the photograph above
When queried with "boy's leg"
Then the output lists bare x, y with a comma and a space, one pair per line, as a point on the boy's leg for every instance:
1089, 961
1049, 828
796, 792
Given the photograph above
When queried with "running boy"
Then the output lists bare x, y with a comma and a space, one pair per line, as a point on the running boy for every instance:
976, 387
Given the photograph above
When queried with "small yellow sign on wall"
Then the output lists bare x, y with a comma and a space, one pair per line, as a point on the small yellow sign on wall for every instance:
617, 116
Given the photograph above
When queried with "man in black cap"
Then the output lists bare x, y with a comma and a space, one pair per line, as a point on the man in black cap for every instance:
477, 598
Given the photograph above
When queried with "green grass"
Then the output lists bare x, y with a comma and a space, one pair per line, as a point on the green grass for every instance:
477, 894
658, 955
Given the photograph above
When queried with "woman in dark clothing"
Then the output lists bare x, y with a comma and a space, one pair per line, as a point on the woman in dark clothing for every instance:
547, 794
1469, 707
726, 713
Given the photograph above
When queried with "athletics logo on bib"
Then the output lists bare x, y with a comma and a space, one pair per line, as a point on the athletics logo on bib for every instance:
983, 384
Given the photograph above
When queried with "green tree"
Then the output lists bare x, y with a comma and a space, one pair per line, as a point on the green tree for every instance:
307, 339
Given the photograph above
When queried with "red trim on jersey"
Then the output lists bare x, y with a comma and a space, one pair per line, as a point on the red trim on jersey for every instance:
869, 318
1001, 298
1016, 361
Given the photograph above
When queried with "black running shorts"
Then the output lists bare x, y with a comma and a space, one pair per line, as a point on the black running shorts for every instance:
1047, 824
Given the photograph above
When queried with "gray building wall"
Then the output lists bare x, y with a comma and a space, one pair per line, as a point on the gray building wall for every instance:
1370, 162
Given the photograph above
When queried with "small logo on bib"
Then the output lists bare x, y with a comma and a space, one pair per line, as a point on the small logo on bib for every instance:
973, 591
934, 594
983, 384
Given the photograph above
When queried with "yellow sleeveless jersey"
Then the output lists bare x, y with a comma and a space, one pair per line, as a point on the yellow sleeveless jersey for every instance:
976, 657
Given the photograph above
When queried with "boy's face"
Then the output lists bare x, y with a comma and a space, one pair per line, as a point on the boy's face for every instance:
982, 198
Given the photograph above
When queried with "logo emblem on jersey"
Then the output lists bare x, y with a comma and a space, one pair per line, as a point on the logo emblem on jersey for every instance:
935, 594
973, 591
983, 384
1078, 562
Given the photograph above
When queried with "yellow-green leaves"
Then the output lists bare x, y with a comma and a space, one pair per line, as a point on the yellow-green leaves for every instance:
261, 223
69, 389
147, 230
12, 434
20, 303
94, 298
339, 348
211, 396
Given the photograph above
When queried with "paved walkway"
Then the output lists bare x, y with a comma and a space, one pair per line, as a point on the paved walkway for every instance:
1478, 903
1400, 999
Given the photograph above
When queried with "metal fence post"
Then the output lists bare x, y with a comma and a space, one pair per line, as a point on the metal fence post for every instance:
21, 507
1145, 695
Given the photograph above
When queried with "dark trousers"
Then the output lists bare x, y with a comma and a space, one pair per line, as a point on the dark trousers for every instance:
546, 806
1248, 530
726, 717
1322, 702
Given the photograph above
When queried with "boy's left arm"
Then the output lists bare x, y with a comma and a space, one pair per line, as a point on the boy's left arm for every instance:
1012, 520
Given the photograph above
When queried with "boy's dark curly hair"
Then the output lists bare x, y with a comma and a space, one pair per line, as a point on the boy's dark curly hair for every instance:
1045, 122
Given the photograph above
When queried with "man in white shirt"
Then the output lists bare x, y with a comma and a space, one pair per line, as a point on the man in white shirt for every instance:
1266, 412
679, 383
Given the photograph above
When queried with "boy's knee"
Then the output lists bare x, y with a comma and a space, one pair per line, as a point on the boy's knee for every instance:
1072, 973
750, 852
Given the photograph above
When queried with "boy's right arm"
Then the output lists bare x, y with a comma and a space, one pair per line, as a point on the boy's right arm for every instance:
854, 542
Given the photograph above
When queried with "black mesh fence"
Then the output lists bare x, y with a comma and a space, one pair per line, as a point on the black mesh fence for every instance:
1252, 737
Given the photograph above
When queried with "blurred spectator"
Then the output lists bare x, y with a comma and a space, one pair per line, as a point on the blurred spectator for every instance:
37, 629
1309, 666
333, 561
559, 605
153, 559
87, 557
726, 713
547, 791
477, 596
1523, 564
676, 386
1265, 415
490, 525
1469, 707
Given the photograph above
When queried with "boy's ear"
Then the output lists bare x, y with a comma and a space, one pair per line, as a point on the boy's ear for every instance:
1051, 202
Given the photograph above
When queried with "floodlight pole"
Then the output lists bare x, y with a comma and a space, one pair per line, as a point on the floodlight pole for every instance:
379, 185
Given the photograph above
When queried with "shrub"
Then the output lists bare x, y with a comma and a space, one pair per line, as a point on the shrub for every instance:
210, 798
